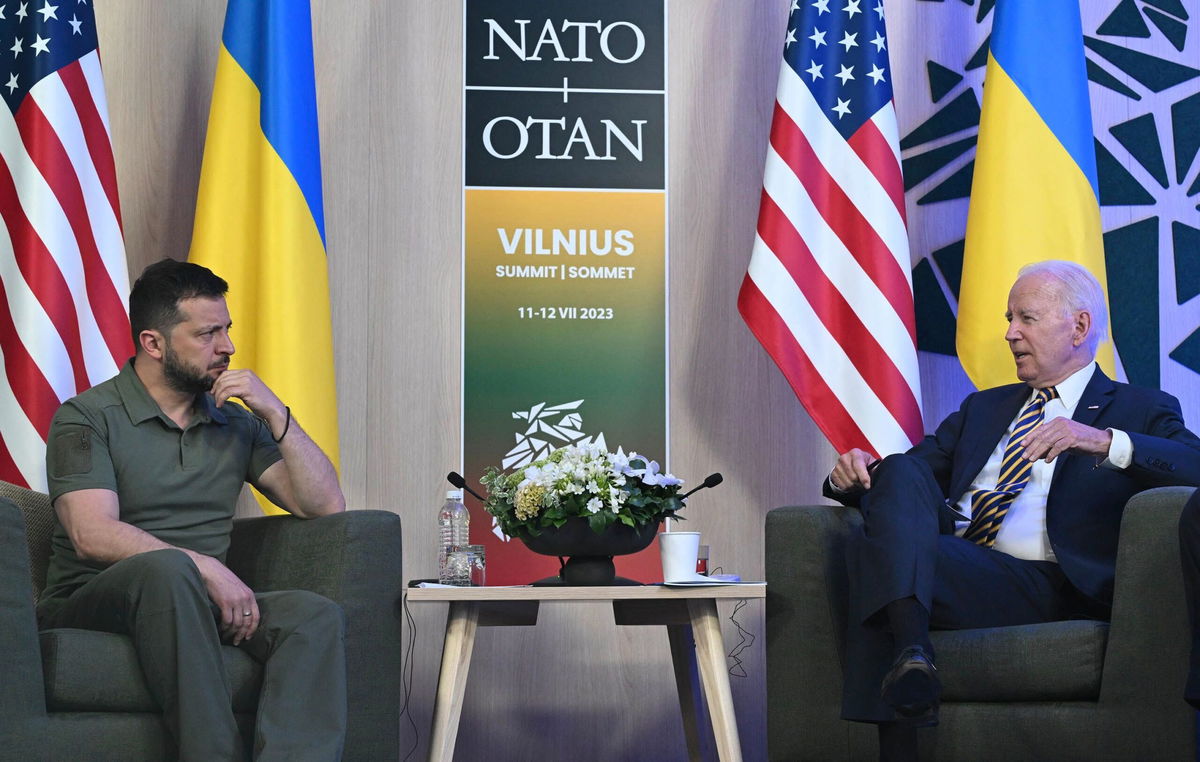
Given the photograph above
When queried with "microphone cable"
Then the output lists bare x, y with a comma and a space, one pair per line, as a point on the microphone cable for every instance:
406, 676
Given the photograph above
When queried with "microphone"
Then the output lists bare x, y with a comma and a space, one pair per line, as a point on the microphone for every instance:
711, 480
455, 479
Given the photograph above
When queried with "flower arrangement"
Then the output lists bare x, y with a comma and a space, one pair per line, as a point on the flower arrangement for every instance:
604, 487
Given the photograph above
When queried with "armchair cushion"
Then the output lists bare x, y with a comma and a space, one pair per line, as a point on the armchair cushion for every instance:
91, 671
996, 663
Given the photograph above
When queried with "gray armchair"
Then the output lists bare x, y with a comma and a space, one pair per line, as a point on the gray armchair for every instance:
1063, 690
76, 694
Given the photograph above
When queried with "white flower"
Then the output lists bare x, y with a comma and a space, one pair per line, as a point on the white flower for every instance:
617, 498
595, 504
653, 478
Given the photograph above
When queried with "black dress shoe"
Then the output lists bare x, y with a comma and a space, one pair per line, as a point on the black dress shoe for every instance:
912, 688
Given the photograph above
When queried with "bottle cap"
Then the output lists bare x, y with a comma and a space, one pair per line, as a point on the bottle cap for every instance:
454, 494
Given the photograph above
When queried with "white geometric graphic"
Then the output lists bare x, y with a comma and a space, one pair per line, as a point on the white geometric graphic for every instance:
544, 435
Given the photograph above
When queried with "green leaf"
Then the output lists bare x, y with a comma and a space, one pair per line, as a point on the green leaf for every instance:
596, 522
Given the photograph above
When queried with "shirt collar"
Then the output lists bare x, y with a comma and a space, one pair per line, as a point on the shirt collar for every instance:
1070, 389
141, 406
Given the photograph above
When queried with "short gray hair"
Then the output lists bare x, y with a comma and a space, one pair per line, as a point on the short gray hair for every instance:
1079, 291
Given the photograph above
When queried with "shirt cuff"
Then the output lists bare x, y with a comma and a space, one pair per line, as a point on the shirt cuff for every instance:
1120, 451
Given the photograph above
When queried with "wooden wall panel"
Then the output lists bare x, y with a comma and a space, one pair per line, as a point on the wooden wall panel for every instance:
389, 77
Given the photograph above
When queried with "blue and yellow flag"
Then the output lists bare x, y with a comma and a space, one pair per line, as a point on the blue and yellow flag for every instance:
260, 222
1034, 194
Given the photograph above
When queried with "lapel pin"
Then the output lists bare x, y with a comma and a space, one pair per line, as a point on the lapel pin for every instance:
1093, 407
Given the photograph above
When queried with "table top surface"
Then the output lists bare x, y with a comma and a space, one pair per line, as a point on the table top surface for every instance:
616, 593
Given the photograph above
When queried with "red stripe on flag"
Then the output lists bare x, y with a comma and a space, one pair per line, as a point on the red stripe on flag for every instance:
844, 218
839, 318
33, 392
823, 406
42, 275
873, 148
47, 152
94, 133
8, 467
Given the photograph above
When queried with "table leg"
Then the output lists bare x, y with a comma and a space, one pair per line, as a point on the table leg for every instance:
461, 624
710, 653
687, 683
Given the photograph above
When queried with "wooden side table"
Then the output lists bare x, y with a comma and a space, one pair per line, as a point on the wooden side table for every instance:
687, 613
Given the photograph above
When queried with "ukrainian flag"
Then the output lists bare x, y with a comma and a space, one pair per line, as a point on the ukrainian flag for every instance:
260, 222
1034, 194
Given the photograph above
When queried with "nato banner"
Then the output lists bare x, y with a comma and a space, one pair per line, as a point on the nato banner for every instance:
564, 243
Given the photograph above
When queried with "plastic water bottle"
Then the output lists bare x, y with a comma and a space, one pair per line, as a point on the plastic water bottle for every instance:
454, 525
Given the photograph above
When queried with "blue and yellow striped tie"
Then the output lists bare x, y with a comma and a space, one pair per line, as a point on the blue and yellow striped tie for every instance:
989, 506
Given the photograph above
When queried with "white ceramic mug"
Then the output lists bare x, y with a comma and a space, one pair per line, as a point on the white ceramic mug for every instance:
679, 551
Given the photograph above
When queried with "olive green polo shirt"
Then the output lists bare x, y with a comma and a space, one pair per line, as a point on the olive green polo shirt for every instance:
180, 485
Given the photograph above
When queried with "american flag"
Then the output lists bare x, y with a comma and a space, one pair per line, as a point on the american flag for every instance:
829, 291
64, 322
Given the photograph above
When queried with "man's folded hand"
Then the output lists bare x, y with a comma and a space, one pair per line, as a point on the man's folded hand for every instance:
851, 471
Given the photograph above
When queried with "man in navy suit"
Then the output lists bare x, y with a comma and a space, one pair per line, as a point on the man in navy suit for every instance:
1009, 512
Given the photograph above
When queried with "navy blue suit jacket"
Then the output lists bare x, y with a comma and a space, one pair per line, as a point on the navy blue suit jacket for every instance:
1085, 502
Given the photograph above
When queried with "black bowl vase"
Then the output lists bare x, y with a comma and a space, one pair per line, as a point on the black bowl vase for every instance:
589, 556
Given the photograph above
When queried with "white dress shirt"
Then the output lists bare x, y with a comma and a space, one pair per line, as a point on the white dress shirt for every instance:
1023, 531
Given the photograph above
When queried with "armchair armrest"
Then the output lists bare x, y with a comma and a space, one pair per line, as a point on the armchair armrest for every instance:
1147, 659
23, 696
806, 624
353, 558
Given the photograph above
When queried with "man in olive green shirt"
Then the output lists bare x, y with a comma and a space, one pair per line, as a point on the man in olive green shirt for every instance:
144, 472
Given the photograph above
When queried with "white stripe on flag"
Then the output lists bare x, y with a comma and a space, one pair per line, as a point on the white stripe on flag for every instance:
53, 227
95, 80
835, 260
826, 354
24, 443
35, 330
885, 122
846, 168
55, 102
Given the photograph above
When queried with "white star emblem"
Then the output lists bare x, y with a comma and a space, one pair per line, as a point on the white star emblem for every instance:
2, 7
41, 45
818, 38
848, 41
879, 9
791, 37
852, 8
21, 12
876, 74
16, 48
11, 84
846, 74
75, 24
842, 108
879, 42
814, 71
795, 7
48, 12
822, 6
